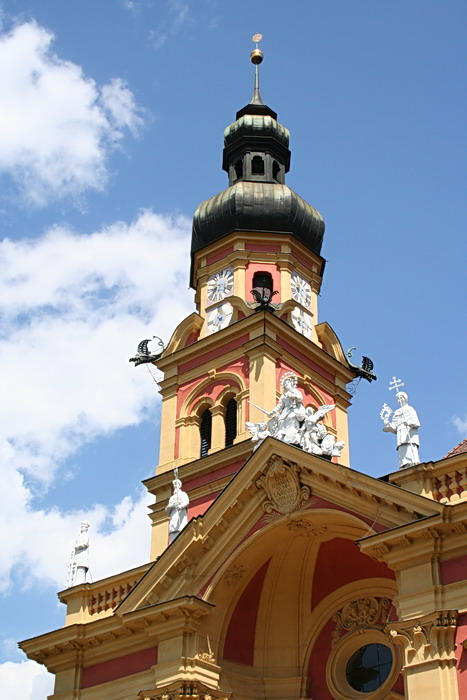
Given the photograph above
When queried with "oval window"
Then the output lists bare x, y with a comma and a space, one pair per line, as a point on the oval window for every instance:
368, 667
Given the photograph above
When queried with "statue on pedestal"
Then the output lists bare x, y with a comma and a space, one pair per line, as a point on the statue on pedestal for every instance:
177, 508
405, 424
290, 422
79, 562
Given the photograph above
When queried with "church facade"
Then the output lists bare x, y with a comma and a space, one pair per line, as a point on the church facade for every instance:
295, 576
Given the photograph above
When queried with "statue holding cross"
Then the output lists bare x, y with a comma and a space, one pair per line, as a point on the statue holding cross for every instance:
404, 423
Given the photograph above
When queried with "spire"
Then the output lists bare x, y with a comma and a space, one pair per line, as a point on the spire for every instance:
256, 57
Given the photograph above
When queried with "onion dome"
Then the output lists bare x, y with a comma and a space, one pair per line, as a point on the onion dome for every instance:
256, 158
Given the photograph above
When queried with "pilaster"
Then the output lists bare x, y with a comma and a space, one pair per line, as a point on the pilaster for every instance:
429, 659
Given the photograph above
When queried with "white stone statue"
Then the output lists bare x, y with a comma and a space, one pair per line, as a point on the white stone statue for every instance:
290, 422
405, 424
259, 432
312, 432
177, 508
289, 412
79, 562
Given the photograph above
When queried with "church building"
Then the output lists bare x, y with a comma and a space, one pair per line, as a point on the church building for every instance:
284, 573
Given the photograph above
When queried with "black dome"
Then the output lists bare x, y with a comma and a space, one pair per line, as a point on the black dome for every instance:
257, 206
256, 158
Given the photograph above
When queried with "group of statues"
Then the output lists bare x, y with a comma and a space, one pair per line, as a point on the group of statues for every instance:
294, 424
291, 422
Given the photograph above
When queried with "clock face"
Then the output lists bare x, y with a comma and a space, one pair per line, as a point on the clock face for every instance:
301, 290
219, 317
220, 285
302, 322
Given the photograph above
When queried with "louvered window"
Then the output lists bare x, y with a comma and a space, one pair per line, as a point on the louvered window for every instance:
262, 283
205, 429
230, 422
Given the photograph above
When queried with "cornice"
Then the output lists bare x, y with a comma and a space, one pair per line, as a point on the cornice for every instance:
117, 634
242, 503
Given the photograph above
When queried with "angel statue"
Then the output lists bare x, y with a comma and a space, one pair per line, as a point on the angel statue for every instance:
312, 432
259, 432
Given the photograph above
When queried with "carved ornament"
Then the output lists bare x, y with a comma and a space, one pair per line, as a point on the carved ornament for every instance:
184, 690
360, 614
426, 639
282, 485
235, 574
306, 528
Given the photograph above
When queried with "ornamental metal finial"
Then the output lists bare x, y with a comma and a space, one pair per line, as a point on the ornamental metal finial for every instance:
256, 57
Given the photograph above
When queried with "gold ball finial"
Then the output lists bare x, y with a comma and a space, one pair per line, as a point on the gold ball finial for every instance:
256, 56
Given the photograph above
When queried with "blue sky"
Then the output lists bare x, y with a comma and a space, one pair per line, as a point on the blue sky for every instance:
111, 122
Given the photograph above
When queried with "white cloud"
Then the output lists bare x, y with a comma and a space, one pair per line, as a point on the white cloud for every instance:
57, 126
461, 424
73, 308
26, 679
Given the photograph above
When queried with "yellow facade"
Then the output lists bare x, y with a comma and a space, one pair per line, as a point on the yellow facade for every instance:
292, 567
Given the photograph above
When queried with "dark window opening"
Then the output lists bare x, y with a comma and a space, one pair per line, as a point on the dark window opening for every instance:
262, 284
257, 166
368, 668
230, 422
205, 429
238, 169
276, 169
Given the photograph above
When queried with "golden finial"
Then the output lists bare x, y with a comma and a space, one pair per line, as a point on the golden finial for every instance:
256, 56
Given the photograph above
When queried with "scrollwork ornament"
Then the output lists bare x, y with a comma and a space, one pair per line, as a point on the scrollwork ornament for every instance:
358, 615
427, 639
234, 574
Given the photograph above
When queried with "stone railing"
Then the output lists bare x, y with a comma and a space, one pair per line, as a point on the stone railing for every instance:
91, 601
444, 481
109, 598
450, 486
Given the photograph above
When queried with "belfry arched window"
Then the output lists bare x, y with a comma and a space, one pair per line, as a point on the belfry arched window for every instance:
257, 165
230, 422
205, 431
276, 169
262, 283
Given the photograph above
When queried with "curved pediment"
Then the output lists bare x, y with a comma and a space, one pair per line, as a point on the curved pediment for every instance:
190, 326
330, 342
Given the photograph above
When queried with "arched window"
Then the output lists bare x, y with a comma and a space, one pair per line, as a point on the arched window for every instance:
230, 422
262, 283
276, 169
238, 169
257, 166
205, 430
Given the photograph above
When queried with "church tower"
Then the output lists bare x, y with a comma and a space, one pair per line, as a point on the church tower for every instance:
256, 269
291, 575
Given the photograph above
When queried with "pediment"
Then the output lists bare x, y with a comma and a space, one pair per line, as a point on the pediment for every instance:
180, 337
280, 487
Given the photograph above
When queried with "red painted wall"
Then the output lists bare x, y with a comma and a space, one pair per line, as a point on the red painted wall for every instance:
119, 668
295, 353
221, 254
339, 562
263, 267
239, 642
461, 655
200, 505
262, 248
206, 357
453, 570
